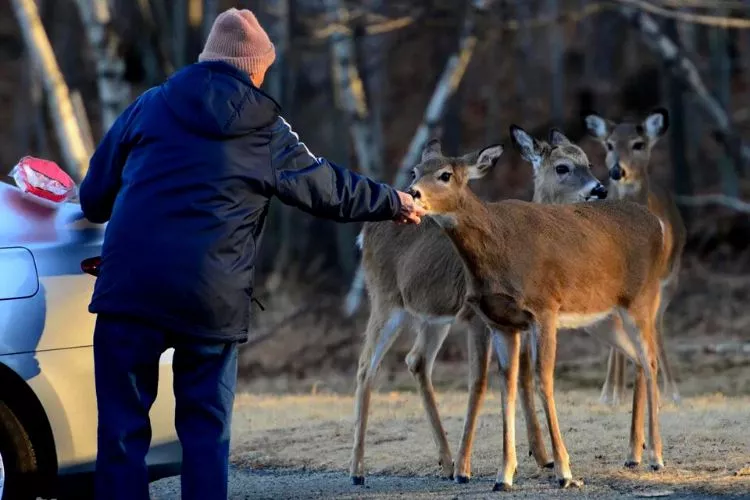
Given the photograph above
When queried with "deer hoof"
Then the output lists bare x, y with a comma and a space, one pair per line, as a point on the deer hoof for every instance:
358, 480
632, 464
549, 465
502, 487
657, 467
462, 479
568, 482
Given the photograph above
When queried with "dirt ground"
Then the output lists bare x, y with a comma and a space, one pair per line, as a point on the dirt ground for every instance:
298, 445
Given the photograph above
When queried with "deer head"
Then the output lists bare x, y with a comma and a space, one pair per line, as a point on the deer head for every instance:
628, 144
440, 183
562, 172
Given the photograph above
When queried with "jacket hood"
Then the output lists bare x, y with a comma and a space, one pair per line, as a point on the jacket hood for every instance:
216, 99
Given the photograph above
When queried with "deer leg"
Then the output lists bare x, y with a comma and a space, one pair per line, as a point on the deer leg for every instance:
479, 363
608, 389
642, 329
508, 350
533, 428
383, 328
670, 385
637, 439
420, 362
619, 386
547, 341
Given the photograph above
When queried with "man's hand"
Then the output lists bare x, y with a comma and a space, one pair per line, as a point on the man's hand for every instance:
410, 212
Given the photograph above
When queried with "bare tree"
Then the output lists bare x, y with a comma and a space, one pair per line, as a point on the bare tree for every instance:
114, 91
68, 129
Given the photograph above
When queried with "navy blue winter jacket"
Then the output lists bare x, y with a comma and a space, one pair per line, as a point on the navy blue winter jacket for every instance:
184, 177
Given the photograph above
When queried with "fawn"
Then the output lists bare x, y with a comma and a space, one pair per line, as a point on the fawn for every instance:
400, 264
535, 268
628, 145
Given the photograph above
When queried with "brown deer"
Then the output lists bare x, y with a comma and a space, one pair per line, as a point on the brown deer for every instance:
537, 267
406, 292
628, 146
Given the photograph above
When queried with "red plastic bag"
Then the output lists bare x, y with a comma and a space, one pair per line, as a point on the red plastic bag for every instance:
43, 180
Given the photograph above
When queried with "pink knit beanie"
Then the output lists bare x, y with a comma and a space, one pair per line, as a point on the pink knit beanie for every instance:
237, 38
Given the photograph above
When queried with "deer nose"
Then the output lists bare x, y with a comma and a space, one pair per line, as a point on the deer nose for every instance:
616, 173
415, 193
599, 191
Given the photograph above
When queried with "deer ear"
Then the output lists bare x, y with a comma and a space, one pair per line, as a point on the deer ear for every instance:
480, 162
530, 148
557, 138
432, 150
656, 124
598, 127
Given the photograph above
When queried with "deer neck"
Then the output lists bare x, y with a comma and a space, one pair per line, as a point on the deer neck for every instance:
473, 236
635, 191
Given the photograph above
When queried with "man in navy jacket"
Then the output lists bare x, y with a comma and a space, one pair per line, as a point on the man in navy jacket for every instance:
184, 177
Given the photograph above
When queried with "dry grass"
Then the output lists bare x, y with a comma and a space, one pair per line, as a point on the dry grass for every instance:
706, 439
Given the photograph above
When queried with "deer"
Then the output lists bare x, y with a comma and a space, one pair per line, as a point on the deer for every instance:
628, 147
406, 293
537, 268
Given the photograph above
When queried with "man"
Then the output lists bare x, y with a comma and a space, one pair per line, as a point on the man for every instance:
184, 178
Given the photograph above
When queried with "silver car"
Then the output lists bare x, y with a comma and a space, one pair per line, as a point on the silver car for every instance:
48, 415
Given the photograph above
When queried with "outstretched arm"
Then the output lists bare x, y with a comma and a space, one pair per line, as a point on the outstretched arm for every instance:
324, 189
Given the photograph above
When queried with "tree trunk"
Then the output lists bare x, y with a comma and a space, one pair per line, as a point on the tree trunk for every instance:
721, 88
210, 11
179, 33
451, 77
677, 136
524, 86
350, 91
114, 92
556, 49
373, 55
67, 128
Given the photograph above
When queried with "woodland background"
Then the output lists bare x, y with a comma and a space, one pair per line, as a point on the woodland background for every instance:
365, 83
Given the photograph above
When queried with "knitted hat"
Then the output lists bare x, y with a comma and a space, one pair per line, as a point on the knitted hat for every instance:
237, 38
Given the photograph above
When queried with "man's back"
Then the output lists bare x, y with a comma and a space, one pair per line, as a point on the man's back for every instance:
201, 156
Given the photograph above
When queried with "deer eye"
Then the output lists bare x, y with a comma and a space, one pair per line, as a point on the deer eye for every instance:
638, 146
562, 169
413, 174
610, 146
445, 177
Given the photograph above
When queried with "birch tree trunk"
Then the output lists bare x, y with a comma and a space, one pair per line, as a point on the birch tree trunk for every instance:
350, 91
67, 128
451, 77
685, 70
114, 92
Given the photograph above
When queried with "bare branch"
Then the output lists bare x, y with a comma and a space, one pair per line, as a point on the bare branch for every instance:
703, 200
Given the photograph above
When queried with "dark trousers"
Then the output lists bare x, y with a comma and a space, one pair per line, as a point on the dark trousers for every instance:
126, 358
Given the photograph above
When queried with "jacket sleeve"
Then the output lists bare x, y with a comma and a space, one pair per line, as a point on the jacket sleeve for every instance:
101, 184
322, 188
